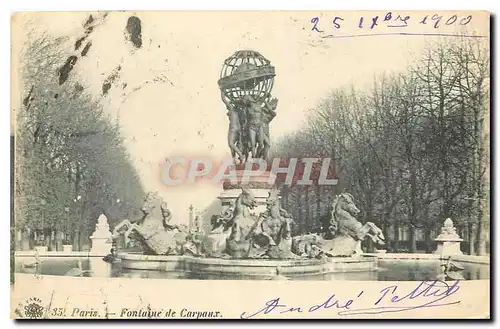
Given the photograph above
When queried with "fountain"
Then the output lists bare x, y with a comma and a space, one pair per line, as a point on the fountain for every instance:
252, 235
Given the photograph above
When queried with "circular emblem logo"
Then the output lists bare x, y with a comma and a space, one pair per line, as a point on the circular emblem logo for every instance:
32, 308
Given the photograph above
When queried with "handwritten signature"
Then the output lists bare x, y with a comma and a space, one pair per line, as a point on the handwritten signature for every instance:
390, 299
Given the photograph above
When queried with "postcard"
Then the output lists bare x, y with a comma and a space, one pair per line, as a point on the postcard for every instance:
212, 165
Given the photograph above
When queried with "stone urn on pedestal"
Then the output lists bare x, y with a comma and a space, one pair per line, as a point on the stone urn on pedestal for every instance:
101, 238
448, 242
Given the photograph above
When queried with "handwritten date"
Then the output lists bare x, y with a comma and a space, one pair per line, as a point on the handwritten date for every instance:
391, 20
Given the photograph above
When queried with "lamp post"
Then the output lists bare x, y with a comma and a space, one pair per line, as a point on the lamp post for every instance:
76, 205
65, 234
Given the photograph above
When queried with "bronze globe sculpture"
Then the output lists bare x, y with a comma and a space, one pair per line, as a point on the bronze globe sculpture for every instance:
246, 82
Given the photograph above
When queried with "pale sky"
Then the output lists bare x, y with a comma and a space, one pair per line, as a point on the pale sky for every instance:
185, 115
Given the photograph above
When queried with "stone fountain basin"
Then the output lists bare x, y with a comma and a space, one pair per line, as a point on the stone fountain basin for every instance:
247, 267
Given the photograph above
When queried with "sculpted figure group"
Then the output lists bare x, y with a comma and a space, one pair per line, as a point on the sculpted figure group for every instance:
238, 233
249, 126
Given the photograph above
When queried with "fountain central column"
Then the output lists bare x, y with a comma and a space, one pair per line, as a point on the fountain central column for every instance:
246, 82
260, 185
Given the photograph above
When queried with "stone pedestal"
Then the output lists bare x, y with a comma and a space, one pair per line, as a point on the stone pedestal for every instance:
99, 268
448, 247
259, 185
41, 249
67, 247
448, 242
101, 238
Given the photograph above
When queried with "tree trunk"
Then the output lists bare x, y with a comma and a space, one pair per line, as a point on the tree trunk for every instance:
50, 245
396, 237
413, 239
26, 240
472, 239
428, 230
32, 239
480, 162
46, 234
18, 238
75, 241
413, 208
481, 236
385, 229
481, 227
59, 240
428, 240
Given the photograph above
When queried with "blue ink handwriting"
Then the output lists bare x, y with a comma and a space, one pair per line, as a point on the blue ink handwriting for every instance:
390, 299
392, 21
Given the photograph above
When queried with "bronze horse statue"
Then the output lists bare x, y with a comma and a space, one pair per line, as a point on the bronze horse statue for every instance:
153, 230
345, 233
274, 234
238, 233
244, 223
214, 244
232, 230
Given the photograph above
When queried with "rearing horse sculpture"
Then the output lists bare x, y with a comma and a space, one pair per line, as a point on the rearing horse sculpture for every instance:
153, 230
274, 233
244, 224
214, 245
345, 233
